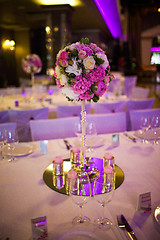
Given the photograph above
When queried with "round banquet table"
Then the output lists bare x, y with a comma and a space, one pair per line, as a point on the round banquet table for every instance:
25, 196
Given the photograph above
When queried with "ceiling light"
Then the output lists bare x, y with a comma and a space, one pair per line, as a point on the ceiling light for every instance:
110, 14
73, 3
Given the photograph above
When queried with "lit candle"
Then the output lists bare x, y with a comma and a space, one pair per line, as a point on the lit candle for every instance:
58, 165
75, 155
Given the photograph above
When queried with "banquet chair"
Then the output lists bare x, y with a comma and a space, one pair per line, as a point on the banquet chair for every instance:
140, 93
53, 128
71, 110
108, 122
4, 116
109, 107
129, 84
135, 105
114, 85
22, 118
136, 115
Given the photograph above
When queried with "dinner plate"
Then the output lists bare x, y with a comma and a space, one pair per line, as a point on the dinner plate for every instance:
156, 215
20, 149
93, 142
149, 135
79, 232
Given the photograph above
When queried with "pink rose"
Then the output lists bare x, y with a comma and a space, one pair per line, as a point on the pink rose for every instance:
63, 55
81, 54
63, 62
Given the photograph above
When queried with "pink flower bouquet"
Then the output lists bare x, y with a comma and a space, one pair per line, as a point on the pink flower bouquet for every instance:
32, 64
82, 71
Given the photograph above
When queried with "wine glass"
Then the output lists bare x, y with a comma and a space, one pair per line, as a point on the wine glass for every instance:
155, 123
145, 125
78, 130
103, 193
12, 140
91, 136
3, 140
80, 192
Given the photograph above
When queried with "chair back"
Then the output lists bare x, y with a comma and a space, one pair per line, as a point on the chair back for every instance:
129, 84
53, 128
140, 93
71, 110
136, 115
108, 122
135, 105
22, 118
109, 107
4, 116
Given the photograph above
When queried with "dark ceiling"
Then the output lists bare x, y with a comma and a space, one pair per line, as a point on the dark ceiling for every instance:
20, 14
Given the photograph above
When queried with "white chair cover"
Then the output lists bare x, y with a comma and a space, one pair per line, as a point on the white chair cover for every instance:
109, 107
114, 85
4, 116
109, 122
53, 128
71, 110
140, 93
22, 118
135, 116
129, 84
135, 105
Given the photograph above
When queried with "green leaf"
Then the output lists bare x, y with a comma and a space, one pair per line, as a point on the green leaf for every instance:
84, 40
95, 98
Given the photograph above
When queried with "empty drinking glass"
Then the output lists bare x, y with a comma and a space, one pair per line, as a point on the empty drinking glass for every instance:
12, 140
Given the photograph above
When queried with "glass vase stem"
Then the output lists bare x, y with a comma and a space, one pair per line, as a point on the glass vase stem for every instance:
83, 137
32, 79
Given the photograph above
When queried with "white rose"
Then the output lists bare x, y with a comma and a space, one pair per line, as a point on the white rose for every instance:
104, 57
63, 79
89, 62
57, 70
73, 68
67, 91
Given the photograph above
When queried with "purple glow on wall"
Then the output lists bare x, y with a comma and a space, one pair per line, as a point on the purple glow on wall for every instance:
110, 14
155, 49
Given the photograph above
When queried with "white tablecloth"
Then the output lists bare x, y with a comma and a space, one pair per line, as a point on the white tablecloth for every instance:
24, 195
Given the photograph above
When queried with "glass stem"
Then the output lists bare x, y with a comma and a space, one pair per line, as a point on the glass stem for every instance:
81, 215
103, 205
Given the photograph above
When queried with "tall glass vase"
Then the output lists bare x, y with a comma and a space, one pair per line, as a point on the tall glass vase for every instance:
32, 79
83, 137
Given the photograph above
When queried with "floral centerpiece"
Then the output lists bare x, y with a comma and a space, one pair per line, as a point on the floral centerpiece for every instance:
32, 64
82, 71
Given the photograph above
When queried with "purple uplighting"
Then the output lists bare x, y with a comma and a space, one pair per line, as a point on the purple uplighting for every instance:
155, 49
110, 14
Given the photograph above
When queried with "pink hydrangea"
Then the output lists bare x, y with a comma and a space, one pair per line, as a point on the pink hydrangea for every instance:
101, 88
81, 84
97, 74
95, 48
86, 95
85, 48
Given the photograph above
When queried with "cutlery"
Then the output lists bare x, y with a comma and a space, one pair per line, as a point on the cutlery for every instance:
130, 137
68, 145
122, 223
